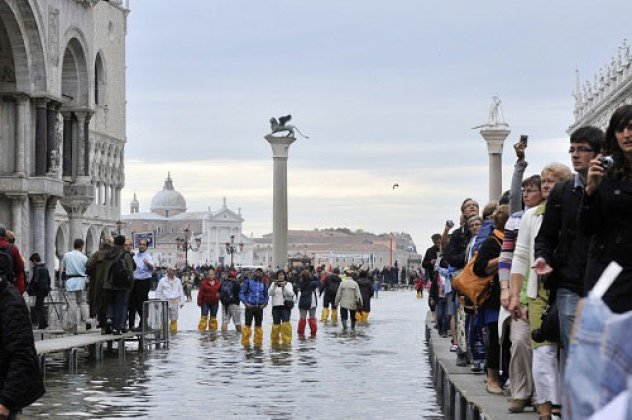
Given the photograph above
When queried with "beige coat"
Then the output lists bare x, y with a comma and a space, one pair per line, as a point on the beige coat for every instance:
348, 295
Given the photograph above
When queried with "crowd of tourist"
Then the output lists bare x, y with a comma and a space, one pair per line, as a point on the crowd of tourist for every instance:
508, 284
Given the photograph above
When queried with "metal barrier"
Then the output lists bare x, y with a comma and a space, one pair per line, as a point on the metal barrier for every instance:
155, 324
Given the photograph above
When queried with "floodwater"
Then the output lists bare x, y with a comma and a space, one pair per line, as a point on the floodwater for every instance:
380, 371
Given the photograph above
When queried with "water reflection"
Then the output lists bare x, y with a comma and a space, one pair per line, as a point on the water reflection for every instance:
378, 371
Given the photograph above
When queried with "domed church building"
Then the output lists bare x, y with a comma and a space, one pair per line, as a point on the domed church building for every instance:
199, 236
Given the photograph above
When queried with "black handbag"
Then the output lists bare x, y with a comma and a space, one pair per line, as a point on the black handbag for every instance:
289, 304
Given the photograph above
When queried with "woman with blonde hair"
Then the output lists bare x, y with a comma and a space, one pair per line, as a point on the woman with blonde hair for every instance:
545, 364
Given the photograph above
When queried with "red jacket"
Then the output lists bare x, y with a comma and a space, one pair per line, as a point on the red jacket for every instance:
209, 293
18, 264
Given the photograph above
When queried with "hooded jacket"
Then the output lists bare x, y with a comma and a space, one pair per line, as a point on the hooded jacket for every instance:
348, 295
366, 290
308, 289
114, 254
254, 293
209, 293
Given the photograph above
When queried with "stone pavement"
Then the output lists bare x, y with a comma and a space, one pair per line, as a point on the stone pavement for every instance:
462, 392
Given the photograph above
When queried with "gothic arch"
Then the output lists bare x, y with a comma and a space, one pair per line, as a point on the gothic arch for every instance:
100, 79
61, 240
75, 80
92, 240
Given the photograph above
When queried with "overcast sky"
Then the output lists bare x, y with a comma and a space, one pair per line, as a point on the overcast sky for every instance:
386, 90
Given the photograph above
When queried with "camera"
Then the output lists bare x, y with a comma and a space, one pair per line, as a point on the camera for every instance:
524, 138
449, 223
606, 162
550, 328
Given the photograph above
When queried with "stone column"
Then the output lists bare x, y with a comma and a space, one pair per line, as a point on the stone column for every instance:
39, 224
86, 142
106, 200
41, 138
280, 148
51, 135
17, 221
67, 172
21, 131
51, 243
495, 137
80, 161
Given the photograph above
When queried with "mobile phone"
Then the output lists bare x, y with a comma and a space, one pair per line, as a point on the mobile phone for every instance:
524, 138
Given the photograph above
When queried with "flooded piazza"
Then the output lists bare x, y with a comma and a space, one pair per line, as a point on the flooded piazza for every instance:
380, 371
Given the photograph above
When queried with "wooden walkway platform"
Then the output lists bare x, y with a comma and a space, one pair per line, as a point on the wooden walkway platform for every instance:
462, 392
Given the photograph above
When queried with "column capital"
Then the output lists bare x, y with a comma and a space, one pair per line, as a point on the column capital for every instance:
16, 196
52, 203
39, 200
280, 145
41, 102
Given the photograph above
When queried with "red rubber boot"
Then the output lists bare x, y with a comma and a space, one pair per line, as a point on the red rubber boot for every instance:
313, 326
301, 326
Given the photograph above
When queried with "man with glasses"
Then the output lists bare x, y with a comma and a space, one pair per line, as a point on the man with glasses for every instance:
561, 250
142, 284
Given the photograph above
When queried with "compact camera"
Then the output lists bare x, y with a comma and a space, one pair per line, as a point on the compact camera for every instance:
449, 223
606, 162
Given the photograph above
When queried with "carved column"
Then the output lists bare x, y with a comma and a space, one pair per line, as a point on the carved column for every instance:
21, 131
51, 243
80, 161
39, 224
86, 141
51, 136
17, 210
41, 137
67, 161
106, 200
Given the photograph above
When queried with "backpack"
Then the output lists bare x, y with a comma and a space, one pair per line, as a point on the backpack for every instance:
226, 292
333, 283
120, 273
6, 265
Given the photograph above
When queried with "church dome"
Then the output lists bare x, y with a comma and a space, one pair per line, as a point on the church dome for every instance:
168, 202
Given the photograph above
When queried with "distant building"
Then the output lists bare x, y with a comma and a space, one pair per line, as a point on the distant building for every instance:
208, 231
597, 99
342, 247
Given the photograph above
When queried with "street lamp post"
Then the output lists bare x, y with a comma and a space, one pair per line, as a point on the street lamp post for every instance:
186, 248
119, 226
231, 249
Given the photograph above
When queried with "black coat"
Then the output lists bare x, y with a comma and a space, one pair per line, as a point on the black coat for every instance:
607, 215
366, 290
20, 380
40, 281
455, 254
308, 290
560, 242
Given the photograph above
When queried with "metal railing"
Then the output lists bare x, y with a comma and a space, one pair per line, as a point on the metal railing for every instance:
155, 324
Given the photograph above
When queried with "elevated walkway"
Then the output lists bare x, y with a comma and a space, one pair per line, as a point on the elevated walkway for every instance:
462, 392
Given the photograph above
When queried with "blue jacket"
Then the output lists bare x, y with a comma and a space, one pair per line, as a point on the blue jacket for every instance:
253, 293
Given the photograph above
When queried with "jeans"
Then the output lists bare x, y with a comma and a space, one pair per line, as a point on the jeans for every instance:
441, 315
566, 303
346, 314
138, 295
256, 313
581, 383
280, 314
475, 339
116, 308
39, 314
206, 308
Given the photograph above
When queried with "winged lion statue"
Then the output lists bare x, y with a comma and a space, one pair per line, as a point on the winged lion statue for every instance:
282, 125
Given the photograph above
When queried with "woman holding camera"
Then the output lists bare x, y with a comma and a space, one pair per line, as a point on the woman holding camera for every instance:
606, 211
282, 300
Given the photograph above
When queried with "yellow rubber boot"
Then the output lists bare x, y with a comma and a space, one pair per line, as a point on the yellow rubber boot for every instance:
275, 338
203, 322
286, 333
173, 327
245, 336
365, 318
324, 315
334, 316
359, 316
212, 324
258, 337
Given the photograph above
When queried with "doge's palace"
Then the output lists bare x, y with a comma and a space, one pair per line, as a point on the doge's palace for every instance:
62, 121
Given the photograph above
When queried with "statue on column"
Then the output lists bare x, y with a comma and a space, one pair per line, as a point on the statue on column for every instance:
281, 125
493, 119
